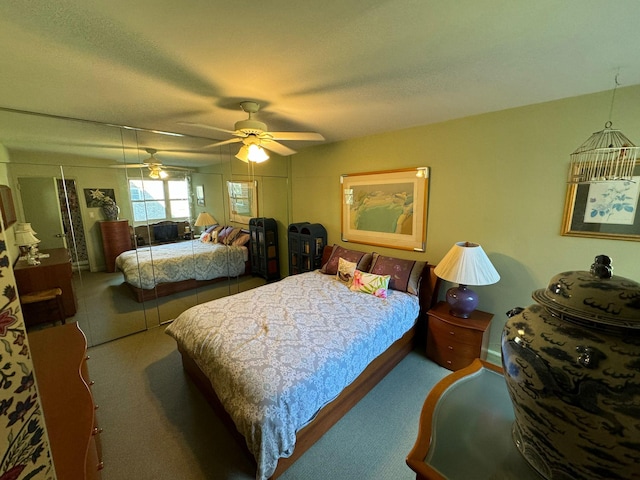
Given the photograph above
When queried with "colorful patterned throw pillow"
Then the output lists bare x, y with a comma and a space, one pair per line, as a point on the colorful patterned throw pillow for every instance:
370, 283
345, 271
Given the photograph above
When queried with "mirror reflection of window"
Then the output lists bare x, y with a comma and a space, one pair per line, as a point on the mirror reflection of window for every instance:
159, 199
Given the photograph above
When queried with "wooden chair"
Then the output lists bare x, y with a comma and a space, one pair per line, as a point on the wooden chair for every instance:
43, 306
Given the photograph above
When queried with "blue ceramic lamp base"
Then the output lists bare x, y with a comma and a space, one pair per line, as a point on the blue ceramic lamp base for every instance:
462, 301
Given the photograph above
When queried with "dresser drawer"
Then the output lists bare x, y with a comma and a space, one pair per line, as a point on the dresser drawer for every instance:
453, 333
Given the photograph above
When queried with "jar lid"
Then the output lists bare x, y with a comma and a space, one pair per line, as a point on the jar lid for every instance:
596, 296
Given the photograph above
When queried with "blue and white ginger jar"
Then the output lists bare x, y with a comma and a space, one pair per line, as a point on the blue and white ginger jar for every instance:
572, 367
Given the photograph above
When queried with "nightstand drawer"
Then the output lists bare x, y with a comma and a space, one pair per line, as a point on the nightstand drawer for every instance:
455, 342
453, 333
452, 355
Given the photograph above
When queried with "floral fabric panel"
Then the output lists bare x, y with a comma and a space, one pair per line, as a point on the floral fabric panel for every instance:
24, 445
173, 262
375, 285
277, 354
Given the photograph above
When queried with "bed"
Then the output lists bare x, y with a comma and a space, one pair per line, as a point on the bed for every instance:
244, 353
161, 270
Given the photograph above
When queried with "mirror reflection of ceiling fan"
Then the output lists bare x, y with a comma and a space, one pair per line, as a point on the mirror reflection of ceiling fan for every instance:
255, 137
156, 169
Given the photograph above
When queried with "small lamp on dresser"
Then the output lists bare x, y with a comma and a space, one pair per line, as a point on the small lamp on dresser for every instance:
465, 264
27, 242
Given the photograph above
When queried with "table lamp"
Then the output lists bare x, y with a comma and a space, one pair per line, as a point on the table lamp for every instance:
27, 243
205, 219
465, 264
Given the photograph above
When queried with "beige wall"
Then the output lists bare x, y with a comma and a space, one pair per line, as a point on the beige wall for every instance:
496, 179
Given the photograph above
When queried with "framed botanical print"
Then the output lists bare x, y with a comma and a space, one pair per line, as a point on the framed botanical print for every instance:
607, 209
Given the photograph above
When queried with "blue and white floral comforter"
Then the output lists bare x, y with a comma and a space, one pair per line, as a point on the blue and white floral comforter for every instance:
277, 354
172, 262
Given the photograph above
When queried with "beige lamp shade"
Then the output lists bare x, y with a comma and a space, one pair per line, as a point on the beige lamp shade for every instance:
205, 219
25, 238
466, 263
24, 227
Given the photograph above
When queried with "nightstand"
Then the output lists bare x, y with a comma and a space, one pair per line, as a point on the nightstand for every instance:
454, 342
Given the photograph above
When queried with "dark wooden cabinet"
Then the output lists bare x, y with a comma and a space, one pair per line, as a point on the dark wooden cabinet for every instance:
306, 243
265, 261
295, 248
116, 238
54, 271
454, 342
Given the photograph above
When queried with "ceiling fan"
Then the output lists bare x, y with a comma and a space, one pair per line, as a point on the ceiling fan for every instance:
255, 136
156, 169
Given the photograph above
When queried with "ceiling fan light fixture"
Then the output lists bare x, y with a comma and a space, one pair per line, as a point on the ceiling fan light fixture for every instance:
243, 154
252, 153
257, 154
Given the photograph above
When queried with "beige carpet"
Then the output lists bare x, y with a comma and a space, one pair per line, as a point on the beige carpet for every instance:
157, 426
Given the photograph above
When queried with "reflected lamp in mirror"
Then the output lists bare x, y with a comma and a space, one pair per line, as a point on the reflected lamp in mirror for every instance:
27, 242
204, 220
465, 264
156, 172
24, 227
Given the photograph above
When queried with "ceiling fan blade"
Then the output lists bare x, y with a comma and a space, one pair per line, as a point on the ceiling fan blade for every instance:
202, 125
129, 165
276, 147
171, 167
304, 136
224, 142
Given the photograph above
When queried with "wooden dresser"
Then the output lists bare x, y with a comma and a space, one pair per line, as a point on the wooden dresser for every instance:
116, 238
53, 272
59, 358
454, 342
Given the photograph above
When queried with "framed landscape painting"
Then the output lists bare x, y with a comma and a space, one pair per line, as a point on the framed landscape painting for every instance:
386, 208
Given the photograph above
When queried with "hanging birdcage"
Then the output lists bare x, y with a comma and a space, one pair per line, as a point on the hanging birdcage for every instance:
606, 155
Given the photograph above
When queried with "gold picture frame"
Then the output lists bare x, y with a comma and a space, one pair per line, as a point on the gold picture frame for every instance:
604, 209
386, 208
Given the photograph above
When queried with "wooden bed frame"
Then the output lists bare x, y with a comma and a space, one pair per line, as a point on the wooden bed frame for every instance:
163, 289
350, 396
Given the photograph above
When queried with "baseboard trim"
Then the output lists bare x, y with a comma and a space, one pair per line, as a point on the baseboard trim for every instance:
494, 357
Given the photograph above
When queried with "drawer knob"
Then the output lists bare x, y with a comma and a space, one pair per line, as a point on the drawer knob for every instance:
452, 333
450, 347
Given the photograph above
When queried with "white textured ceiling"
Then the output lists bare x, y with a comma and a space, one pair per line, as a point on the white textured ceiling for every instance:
343, 68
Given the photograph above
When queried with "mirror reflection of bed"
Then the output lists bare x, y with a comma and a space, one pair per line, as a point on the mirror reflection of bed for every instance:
66, 174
